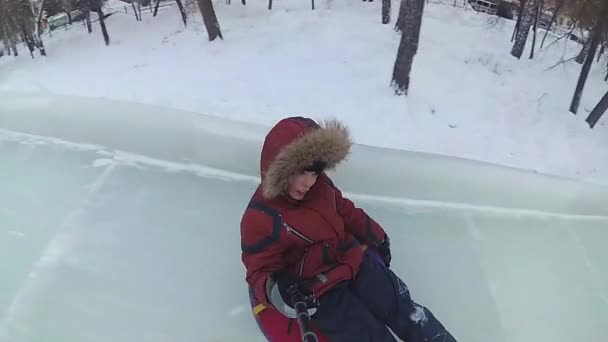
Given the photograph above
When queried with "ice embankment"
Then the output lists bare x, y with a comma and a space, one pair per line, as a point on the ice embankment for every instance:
211, 145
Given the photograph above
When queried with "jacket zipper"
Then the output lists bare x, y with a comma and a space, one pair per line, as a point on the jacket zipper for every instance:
297, 233
301, 271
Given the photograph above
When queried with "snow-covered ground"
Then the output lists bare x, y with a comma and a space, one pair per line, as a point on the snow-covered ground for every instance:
469, 97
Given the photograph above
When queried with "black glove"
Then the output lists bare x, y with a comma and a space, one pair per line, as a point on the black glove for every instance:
384, 249
293, 289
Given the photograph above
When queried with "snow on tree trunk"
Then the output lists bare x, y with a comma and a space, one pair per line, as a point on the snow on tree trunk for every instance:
524, 28
408, 46
400, 24
210, 19
598, 111
386, 11
182, 12
102, 23
595, 40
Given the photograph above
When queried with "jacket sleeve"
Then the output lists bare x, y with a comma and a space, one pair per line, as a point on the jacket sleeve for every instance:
356, 220
261, 251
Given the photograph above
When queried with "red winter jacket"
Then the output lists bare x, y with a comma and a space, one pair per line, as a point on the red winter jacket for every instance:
318, 238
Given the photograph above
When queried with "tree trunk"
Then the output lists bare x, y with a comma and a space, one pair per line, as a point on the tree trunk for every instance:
36, 36
69, 16
102, 23
7, 44
400, 24
538, 10
8, 49
244, 2
210, 19
580, 59
156, 8
602, 50
553, 19
182, 12
595, 40
408, 46
313, 4
598, 111
41, 46
87, 20
28, 42
386, 11
14, 47
135, 11
520, 14
269, 4
522, 33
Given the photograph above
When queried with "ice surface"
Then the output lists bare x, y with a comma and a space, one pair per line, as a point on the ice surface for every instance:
132, 234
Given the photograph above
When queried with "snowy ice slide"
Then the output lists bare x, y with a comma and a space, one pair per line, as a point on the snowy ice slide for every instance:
120, 222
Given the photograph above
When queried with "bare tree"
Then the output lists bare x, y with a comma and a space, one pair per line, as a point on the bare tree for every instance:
599, 11
580, 85
102, 23
408, 45
19, 20
386, 11
520, 14
539, 8
580, 59
86, 9
137, 15
38, 30
598, 111
210, 19
182, 12
524, 28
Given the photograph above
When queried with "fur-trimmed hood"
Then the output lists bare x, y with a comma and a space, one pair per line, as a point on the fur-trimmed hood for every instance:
296, 143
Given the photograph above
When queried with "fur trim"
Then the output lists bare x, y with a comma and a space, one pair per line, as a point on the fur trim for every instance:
330, 143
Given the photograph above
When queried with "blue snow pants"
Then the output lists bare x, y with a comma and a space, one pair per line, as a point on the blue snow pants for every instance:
360, 310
